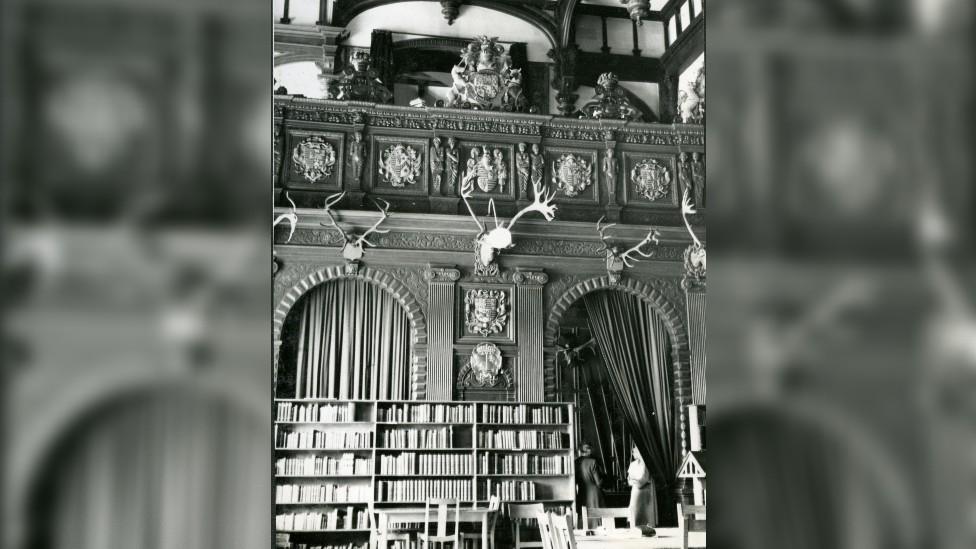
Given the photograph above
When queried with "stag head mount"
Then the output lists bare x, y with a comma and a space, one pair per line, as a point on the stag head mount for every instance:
353, 247
492, 241
695, 253
618, 260
291, 217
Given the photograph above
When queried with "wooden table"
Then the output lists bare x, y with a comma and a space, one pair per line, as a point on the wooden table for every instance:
417, 514
669, 538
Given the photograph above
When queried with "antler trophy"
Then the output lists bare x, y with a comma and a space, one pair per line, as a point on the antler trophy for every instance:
291, 217
352, 250
616, 261
490, 242
695, 253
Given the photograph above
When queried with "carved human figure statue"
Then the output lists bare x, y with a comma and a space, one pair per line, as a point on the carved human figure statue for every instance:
538, 166
610, 170
522, 167
451, 160
698, 177
437, 163
684, 174
356, 152
501, 168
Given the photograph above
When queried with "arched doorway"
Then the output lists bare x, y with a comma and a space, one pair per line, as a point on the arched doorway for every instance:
169, 466
347, 338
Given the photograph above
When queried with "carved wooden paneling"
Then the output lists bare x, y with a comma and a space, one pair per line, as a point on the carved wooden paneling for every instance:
301, 171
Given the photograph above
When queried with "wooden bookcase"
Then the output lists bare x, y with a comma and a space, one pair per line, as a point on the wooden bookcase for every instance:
521, 452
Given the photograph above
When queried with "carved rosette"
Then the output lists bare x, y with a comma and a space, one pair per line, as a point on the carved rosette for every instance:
572, 174
486, 311
651, 179
400, 165
314, 158
484, 369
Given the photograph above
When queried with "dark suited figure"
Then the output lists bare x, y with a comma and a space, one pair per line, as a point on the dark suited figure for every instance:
589, 480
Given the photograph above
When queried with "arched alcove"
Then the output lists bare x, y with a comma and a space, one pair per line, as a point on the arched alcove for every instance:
417, 368
159, 465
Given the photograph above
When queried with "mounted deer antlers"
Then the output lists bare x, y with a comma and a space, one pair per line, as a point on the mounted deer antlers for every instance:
626, 258
352, 250
695, 253
291, 217
499, 238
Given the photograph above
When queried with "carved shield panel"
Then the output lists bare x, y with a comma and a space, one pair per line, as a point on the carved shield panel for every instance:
486, 311
314, 158
484, 368
400, 165
651, 179
572, 174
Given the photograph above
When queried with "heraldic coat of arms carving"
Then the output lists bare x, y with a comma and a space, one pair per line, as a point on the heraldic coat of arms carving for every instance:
571, 174
485, 80
400, 165
315, 158
486, 311
651, 179
484, 368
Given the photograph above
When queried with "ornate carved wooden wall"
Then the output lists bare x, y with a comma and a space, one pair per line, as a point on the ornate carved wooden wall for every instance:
510, 320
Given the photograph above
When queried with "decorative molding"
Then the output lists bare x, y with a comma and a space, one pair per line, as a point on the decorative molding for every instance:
530, 278
440, 274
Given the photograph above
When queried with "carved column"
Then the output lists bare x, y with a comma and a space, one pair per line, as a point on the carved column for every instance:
530, 323
565, 82
440, 332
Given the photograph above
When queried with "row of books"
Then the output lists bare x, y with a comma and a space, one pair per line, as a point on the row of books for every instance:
364, 545
348, 464
336, 519
420, 490
519, 440
322, 439
409, 463
521, 413
508, 490
322, 493
427, 413
430, 439
523, 464
316, 411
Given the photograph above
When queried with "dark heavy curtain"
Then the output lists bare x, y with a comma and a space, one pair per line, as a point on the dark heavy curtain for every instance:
636, 352
353, 343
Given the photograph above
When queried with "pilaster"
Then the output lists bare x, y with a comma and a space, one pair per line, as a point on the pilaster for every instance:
440, 331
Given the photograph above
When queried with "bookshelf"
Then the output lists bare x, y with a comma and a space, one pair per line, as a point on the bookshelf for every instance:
333, 458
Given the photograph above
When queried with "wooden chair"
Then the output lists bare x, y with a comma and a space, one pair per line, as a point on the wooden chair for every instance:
379, 529
546, 530
686, 514
608, 516
442, 508
562, 529
494, 506
521, 512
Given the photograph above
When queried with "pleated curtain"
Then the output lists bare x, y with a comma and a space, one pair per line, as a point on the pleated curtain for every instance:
635, 348
354, 343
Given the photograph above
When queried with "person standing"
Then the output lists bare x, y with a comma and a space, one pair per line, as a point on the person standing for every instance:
643, 506
589, 480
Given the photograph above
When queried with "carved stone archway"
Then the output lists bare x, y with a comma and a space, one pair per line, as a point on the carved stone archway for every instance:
669, 313
386, 281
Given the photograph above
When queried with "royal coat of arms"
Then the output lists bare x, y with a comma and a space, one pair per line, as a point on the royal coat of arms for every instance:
484, 368
486, 311
314, 158
571, 174
400, 165
484, 78
652, 180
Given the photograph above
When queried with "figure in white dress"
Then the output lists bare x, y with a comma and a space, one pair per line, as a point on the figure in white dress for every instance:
643, 505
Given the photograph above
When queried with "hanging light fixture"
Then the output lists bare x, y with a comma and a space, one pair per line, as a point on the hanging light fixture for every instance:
638, 9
